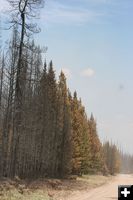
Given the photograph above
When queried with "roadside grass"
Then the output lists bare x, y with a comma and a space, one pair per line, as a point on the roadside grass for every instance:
15, 195
49, 189
11, 190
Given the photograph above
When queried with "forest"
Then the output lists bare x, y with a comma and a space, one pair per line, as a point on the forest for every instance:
44, 127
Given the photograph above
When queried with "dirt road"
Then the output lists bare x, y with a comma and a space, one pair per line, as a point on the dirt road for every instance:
105, 192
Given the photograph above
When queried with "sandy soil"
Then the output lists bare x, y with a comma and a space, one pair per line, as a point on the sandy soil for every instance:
105, 192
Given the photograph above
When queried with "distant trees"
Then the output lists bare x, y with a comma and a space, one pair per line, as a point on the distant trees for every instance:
112, 158
126, 163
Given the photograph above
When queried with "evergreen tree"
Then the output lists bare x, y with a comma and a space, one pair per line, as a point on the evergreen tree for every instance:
64, 128
85, 148
52, 116
77, 142
96, 157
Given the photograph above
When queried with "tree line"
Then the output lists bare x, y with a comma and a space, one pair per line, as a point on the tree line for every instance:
56, 138
44, 128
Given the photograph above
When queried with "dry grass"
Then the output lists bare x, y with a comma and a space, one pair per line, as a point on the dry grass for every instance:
15, 195
12, 190
48, 189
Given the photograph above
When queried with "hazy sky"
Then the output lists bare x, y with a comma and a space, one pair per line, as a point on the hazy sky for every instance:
92, 40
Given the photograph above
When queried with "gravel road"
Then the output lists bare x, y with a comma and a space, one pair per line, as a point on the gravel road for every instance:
105, 192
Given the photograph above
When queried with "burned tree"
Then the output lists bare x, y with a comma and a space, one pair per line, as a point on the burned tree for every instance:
21, 13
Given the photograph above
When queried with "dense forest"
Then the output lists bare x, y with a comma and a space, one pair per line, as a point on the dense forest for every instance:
44, 128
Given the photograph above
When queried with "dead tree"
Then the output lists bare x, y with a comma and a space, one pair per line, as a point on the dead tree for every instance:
21, 13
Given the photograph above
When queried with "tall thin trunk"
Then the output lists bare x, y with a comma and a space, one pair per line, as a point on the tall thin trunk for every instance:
18, 100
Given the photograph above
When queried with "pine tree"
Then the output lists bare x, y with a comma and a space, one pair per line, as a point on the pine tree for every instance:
52, 116
96, 158
76, 136
85, 148
64, 129
44, 108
